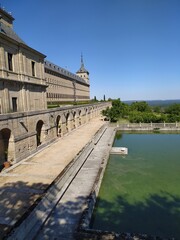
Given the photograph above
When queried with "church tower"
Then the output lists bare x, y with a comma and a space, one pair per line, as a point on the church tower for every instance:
82, 72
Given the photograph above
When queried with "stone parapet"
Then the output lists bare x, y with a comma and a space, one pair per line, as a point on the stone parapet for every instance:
26, 132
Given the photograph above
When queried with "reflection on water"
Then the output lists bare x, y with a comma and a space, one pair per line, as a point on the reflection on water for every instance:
119, 135
141, 191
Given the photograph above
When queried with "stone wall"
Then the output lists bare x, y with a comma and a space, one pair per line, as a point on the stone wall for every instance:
22, 134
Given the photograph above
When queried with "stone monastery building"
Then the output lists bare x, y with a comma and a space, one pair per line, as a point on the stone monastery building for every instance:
66, 86
28, 81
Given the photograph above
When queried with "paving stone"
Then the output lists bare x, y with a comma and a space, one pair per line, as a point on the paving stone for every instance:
40, 171
66, 215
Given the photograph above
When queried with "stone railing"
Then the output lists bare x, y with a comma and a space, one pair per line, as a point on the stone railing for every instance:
148, 126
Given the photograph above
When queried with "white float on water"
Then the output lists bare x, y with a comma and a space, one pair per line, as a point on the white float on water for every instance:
119, 150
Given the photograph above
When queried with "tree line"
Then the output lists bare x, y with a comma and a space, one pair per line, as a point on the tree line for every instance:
142, 112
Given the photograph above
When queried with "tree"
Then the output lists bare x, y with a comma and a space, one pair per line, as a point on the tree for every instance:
157, 109
141, 112
173, 113
173, 109
141, 106
117, 110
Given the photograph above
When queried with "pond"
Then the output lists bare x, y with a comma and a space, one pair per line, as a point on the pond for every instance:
140, 192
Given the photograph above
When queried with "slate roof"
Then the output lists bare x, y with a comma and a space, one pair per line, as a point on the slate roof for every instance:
51, 66
8, 31
82, 68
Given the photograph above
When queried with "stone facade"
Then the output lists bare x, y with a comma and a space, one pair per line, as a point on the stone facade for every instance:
64, 86
22, 83
27, 82
24, 75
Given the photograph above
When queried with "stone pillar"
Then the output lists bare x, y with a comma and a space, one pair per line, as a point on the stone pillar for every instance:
75, 122
2, 62
11, 150
83, 119
2, 155
28, 100
64, 128
6, 101
69, 125
20, 65
45, 100
44, 134
23, 98
79, 120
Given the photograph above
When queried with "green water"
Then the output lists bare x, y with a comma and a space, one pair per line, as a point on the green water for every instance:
140, 192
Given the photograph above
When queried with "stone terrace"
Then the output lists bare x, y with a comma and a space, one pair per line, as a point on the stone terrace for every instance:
25, 182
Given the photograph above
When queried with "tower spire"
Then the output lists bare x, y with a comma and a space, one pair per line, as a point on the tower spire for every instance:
82, 62
82, 72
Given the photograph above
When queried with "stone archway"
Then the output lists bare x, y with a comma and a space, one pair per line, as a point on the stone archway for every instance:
6, 146
39, 126
58, 126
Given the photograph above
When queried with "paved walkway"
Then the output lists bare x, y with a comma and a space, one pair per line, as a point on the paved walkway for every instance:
22, 185
64, 219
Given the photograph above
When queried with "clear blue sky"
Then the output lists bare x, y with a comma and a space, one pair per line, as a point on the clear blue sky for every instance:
130, 47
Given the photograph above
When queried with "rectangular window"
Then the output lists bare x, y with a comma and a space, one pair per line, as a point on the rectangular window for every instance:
14, 104
10, 63
33, 68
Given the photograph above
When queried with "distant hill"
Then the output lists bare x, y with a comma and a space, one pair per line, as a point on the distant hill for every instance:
153, 103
